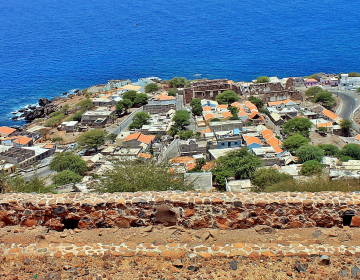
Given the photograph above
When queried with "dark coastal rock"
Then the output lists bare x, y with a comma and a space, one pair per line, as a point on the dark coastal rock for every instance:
39, 112
43, 102
32, 107
65, 93
56, 98
15, 118
21, 110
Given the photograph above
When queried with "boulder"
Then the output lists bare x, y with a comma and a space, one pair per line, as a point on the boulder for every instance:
164, 214
43, 102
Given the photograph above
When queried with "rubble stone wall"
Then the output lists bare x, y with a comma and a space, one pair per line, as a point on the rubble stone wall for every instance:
189, 209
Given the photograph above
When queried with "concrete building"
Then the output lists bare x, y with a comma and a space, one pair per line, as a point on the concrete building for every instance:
347, 82
90, 117
209, 89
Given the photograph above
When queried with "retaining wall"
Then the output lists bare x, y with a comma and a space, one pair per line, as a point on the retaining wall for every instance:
189, 209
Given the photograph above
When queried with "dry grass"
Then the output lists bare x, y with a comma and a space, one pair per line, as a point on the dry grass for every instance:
316, 184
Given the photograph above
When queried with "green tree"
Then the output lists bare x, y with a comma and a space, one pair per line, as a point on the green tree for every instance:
172, 92
124, 104
85, 105
173, 131
345, 158
329, 149
298, 125
266, 177
185, 134
262, 79
68, 161
215, 120
325, 98
139, 175
345, 126
140, 119
196, 107
93, 138
240, 164
294, 142
152, 87
177, 82
309, 152
227, 97
354, 74
313, 91
141, 99
198, 166
111, 137
311, 167
257, 102
130, 94
67, 177
233, 110
181, 119
351, 150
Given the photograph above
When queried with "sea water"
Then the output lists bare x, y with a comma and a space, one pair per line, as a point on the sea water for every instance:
49, 47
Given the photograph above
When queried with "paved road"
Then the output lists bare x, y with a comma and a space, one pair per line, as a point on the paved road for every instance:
179, 102
350, 102
44, 171
124, 124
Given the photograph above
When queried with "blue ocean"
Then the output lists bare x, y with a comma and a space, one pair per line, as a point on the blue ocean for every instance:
49, 47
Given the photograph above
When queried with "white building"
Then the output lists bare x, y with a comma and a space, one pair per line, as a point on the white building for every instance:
347, 82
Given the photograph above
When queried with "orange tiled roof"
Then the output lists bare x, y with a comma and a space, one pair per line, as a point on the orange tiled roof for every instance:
206, 130
268, 136
49, 146
113, 108
273, 142
254, 113
251, 140
358, 137
227, 114
133, 136
22, 140
278, 149
182, 160
9, 138
287, 101
330, 114
191, 166
145, 138
208, 165
273, 103
6, 130
164, 97
324, 125
207, 108
242, 114
236, 104
266, 132
143, 155
311, 80
222, 106
209, 116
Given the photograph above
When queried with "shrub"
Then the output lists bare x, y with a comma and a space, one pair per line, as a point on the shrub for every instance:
265, 177
329, 149
309, 152
345, 158
311, 167
66, 177
262, 79
351, 150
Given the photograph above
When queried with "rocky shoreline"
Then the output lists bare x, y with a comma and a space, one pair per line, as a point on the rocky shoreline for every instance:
45, 107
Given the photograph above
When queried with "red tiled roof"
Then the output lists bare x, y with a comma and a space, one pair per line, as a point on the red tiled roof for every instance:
191, 166
182, 160
274, 142
133, 136
22, 140
143, 155
6, 130
145, 138
207, 108
208, 165
330, 114
206, 130
278, 149
227, 114
222, 106
251, 140
209, 116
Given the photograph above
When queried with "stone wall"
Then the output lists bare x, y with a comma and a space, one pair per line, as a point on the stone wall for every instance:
188, 209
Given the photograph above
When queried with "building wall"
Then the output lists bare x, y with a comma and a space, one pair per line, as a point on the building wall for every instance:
188, 209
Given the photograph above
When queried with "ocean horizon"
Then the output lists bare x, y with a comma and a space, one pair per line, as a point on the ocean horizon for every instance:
47, 47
